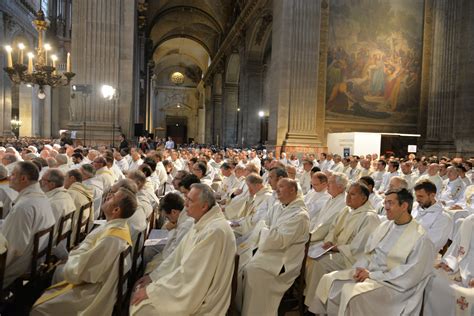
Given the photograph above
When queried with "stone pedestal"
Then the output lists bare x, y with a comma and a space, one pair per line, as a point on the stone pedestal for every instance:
294, 75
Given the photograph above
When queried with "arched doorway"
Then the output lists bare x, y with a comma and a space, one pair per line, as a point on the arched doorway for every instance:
177, 128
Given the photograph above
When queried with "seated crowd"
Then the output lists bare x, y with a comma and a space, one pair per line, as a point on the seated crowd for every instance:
365, 235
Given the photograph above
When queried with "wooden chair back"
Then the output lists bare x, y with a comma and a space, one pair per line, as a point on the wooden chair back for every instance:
235, 279
83, 225
39, 254
124, 278
295, 294
65, 234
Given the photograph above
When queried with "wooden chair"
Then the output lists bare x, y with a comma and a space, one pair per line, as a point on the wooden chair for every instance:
124, 279
67, 234
3, 264
232, 311
36, 264
82, 226
294, 295
138, 249
151, 223
1, 212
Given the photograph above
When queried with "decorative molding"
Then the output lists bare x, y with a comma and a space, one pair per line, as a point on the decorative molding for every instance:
250, 11
266, 21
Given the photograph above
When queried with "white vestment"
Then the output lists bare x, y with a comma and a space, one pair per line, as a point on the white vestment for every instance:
62, 204
277, 262
107, 177
327, 215
31, 213
196, 278
305, 181
399, 259
7, 196
436, 179
229, 185
349, 232
449, 293
81, 195
90, 275
452, 191
437, 223
378, 179
315, 201
183, 225
386, 180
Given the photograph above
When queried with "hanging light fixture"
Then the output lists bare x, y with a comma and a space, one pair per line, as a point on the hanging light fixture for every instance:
39, 70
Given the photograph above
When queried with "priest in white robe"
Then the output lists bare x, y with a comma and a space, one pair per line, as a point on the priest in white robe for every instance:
451, 291
453, 188
431, 215
7, 194
337, 185
390, 278
179, 224
346, 239
277, 261
103, 173
305, 177
196, 278
31, 213
81, 195
61, 202
317, 197
90, 275
97, 186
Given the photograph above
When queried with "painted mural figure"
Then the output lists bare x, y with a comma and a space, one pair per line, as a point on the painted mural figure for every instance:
374, 59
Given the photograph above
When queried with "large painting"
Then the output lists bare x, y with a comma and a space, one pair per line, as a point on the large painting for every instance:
374, 60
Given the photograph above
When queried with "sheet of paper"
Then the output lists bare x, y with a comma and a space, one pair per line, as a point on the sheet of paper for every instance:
315, 251
154, 242
100, 222
158, 234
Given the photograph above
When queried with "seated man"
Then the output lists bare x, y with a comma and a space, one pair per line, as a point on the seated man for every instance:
451, 292
256, 205
61, 202
431, 215
196, 278
31, 213
81, 195
7, 194
91, 271
348, 235
178, 224
316, 197
277, 261
103, 172
389, 279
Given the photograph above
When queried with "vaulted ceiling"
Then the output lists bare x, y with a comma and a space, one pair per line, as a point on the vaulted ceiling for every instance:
186, 34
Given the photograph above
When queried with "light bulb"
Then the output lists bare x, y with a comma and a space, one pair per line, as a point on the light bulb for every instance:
8, 48
30, 55
41, 95
47, 46
21, 46
54, 57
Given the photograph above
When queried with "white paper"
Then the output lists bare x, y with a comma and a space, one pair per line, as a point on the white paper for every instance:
154, 242
100, 222
315, 251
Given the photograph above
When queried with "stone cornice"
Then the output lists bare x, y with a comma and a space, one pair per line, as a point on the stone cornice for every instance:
251, 10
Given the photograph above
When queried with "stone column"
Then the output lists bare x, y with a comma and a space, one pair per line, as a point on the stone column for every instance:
5, 88
229, 121
217, 109
103, 36
209, 114
251, 101
294, 75
444, 68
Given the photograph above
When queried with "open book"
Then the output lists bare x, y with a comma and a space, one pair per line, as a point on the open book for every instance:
315, 251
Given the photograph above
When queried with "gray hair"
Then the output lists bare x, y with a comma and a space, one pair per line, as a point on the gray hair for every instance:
138, 177
341, 179
206, 194
56, 176
88, 170
403, 184
127, 184
254, 178
61, 159
10, 157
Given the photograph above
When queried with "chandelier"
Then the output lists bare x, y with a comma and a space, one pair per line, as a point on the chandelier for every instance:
44, 73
